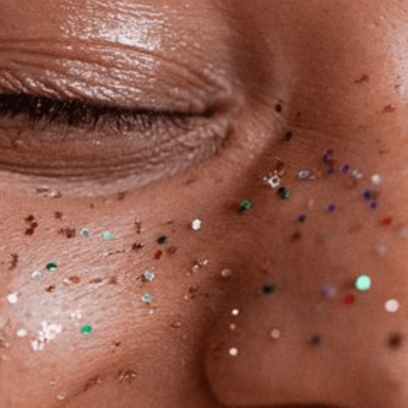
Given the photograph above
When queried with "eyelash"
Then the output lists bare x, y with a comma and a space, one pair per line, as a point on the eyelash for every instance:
74, 113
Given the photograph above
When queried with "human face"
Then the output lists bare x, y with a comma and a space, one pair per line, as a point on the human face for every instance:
295, 296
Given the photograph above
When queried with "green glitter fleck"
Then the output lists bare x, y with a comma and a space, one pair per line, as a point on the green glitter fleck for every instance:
86, 329
162, 239
107, 235
245, 205
51, 266
363, 283
284, 193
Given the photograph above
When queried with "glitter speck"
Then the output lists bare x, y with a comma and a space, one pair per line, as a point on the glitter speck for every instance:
86, 329
21, 333
235, 312
275, 334
12, 298
392, 305
226, 273
331, 208
85, 232
149, 276
302, 218
367, 194
51, 266
61, 396
363, 283
376, 179
357, 174
284, 193
233, 351
329, 290
233, 326
36, 276
304, 174
245, 205
272, 181
196, 224
107, 235
344, 168
147, 297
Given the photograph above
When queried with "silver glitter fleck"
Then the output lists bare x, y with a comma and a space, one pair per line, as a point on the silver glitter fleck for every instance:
85, 232
377, 179
149, 276
21, 333
196, 224
272, 181
36, 276
61, 396
357, 174
235, 312
147, 297
304, 174
233, 351
226, 273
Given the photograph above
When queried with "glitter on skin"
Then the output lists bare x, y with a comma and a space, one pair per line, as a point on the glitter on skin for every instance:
284, 193
233, 351
357, 174
21, 333
273, 181
391, 306
245, 205
367, 195
344, 168
302, 218
304, 174
226, 273
331, 208
149, 276
235, 312
147, 297
233, 326
86, 329
12, 298
107, 235
85, 232
376, 179
363, 283
51, 266
196, 224
36, 276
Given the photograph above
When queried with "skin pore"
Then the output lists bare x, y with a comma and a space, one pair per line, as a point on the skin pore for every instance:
286, 299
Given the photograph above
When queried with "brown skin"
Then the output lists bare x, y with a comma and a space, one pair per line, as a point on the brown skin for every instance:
337, 69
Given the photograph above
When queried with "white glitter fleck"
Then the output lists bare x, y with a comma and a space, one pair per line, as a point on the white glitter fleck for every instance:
357, 174
275, 334
233, 326
304, 174
147, 297
226, 273
48, 332
36, 276
21, 332
377, 179
76, 315
235, 312
61, 396
196, 224
12, 298
149, 275
391, 305
233, 351
272, 181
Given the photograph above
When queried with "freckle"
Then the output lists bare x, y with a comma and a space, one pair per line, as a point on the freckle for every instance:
158, 254
92, 206
138, 225
68, 232
113, 281
14, 262
74, 279
296, 236
172, 250
29, 231
395, 340
30, 218
278, 108
315, 340
287, 137
50, 288
162, 239
58, 215
389, 109
348, 299
121, 196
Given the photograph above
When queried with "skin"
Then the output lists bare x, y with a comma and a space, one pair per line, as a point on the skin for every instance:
337, 71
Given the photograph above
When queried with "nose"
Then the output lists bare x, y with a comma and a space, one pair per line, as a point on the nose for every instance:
309, 313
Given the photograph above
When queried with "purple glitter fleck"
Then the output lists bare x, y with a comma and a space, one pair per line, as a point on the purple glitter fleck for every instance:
367, 195
302, 217
344, 168
331, 208
330, 169
373, 205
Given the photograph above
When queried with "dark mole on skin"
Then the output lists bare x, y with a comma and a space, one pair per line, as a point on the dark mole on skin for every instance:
395, 340
315, 340
33, 225
50, 288
137, 245
296, 236
58, 215
288, 136
138, 225
113, 281
68, 232
121, 196
172, 250
278, 108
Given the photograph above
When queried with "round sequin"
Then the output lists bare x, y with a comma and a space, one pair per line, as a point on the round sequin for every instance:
284, 193
363, 283
51, 266
391, 305
162, 239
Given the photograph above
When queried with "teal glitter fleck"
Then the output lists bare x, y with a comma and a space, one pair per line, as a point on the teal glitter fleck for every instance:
162, 239
107, 235
86, 329
245, 205
363, 283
